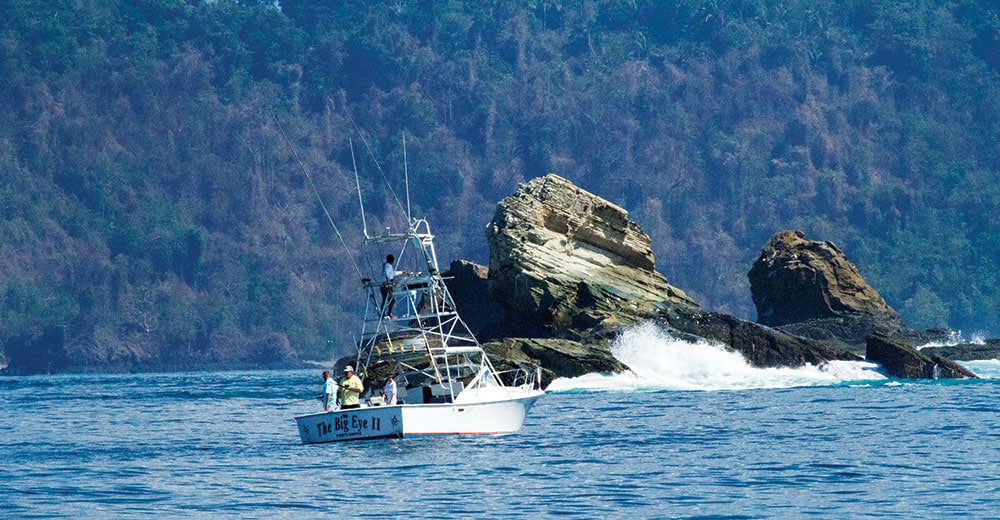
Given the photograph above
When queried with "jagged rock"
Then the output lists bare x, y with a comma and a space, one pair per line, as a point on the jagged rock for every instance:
568, 271
762, 346
557, 357
564, 258
810, 289
903, 361
567, 265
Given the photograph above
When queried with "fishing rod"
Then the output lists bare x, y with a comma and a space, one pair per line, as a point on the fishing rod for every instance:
357, 182
406, 176
378, 166
318, 197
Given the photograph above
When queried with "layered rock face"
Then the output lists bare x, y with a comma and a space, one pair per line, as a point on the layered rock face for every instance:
562, 257
795, 280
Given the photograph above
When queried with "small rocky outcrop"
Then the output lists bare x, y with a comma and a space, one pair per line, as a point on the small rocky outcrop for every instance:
561, 257
557, 357
809, 288
795, 280
903, 361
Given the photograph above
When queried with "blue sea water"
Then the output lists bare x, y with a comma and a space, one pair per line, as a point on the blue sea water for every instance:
693, 433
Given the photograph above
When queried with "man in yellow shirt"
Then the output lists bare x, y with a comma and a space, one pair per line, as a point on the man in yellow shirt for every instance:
350, 389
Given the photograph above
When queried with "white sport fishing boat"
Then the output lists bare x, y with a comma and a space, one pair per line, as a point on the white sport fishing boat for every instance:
446, 383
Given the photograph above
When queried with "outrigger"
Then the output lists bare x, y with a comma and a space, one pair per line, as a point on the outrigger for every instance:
414, 334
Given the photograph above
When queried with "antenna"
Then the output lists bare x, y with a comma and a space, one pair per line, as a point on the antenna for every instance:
406, 176
357, 182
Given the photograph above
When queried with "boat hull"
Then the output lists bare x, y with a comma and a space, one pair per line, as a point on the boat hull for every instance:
467, 418
379, 422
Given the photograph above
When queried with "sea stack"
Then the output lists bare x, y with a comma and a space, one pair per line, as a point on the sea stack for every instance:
795, 280
562, 256
809, 288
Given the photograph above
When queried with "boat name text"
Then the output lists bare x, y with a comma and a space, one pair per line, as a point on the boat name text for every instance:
347, 423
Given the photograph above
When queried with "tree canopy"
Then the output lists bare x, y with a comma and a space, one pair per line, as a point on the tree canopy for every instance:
146, 189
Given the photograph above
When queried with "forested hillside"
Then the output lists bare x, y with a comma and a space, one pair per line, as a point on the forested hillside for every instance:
151, 213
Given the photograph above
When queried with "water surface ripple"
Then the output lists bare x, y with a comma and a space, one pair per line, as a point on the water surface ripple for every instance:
224, 444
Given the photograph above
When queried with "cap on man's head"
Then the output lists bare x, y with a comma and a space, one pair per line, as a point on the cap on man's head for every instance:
348, 368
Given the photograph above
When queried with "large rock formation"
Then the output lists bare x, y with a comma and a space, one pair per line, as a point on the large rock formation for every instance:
795, 280
569, 270
809, 288
561, 257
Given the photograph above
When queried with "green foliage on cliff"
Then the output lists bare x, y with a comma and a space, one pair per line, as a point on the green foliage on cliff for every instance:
145, 189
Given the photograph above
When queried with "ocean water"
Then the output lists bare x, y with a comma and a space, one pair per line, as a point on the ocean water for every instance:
693, 433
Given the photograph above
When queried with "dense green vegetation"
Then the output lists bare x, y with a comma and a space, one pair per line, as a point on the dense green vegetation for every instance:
146, 191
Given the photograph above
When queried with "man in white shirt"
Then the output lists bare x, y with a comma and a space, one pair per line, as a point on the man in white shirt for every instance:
389, 274
389, 392
329, 388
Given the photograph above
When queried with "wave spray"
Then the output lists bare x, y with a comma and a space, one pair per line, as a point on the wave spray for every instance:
661, 361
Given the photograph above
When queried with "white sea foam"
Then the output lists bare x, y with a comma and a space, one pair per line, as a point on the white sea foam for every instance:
984, 368
957, 338
660, 361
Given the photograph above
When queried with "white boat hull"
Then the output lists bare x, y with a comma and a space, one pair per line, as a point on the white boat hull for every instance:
467, 418
379, 422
